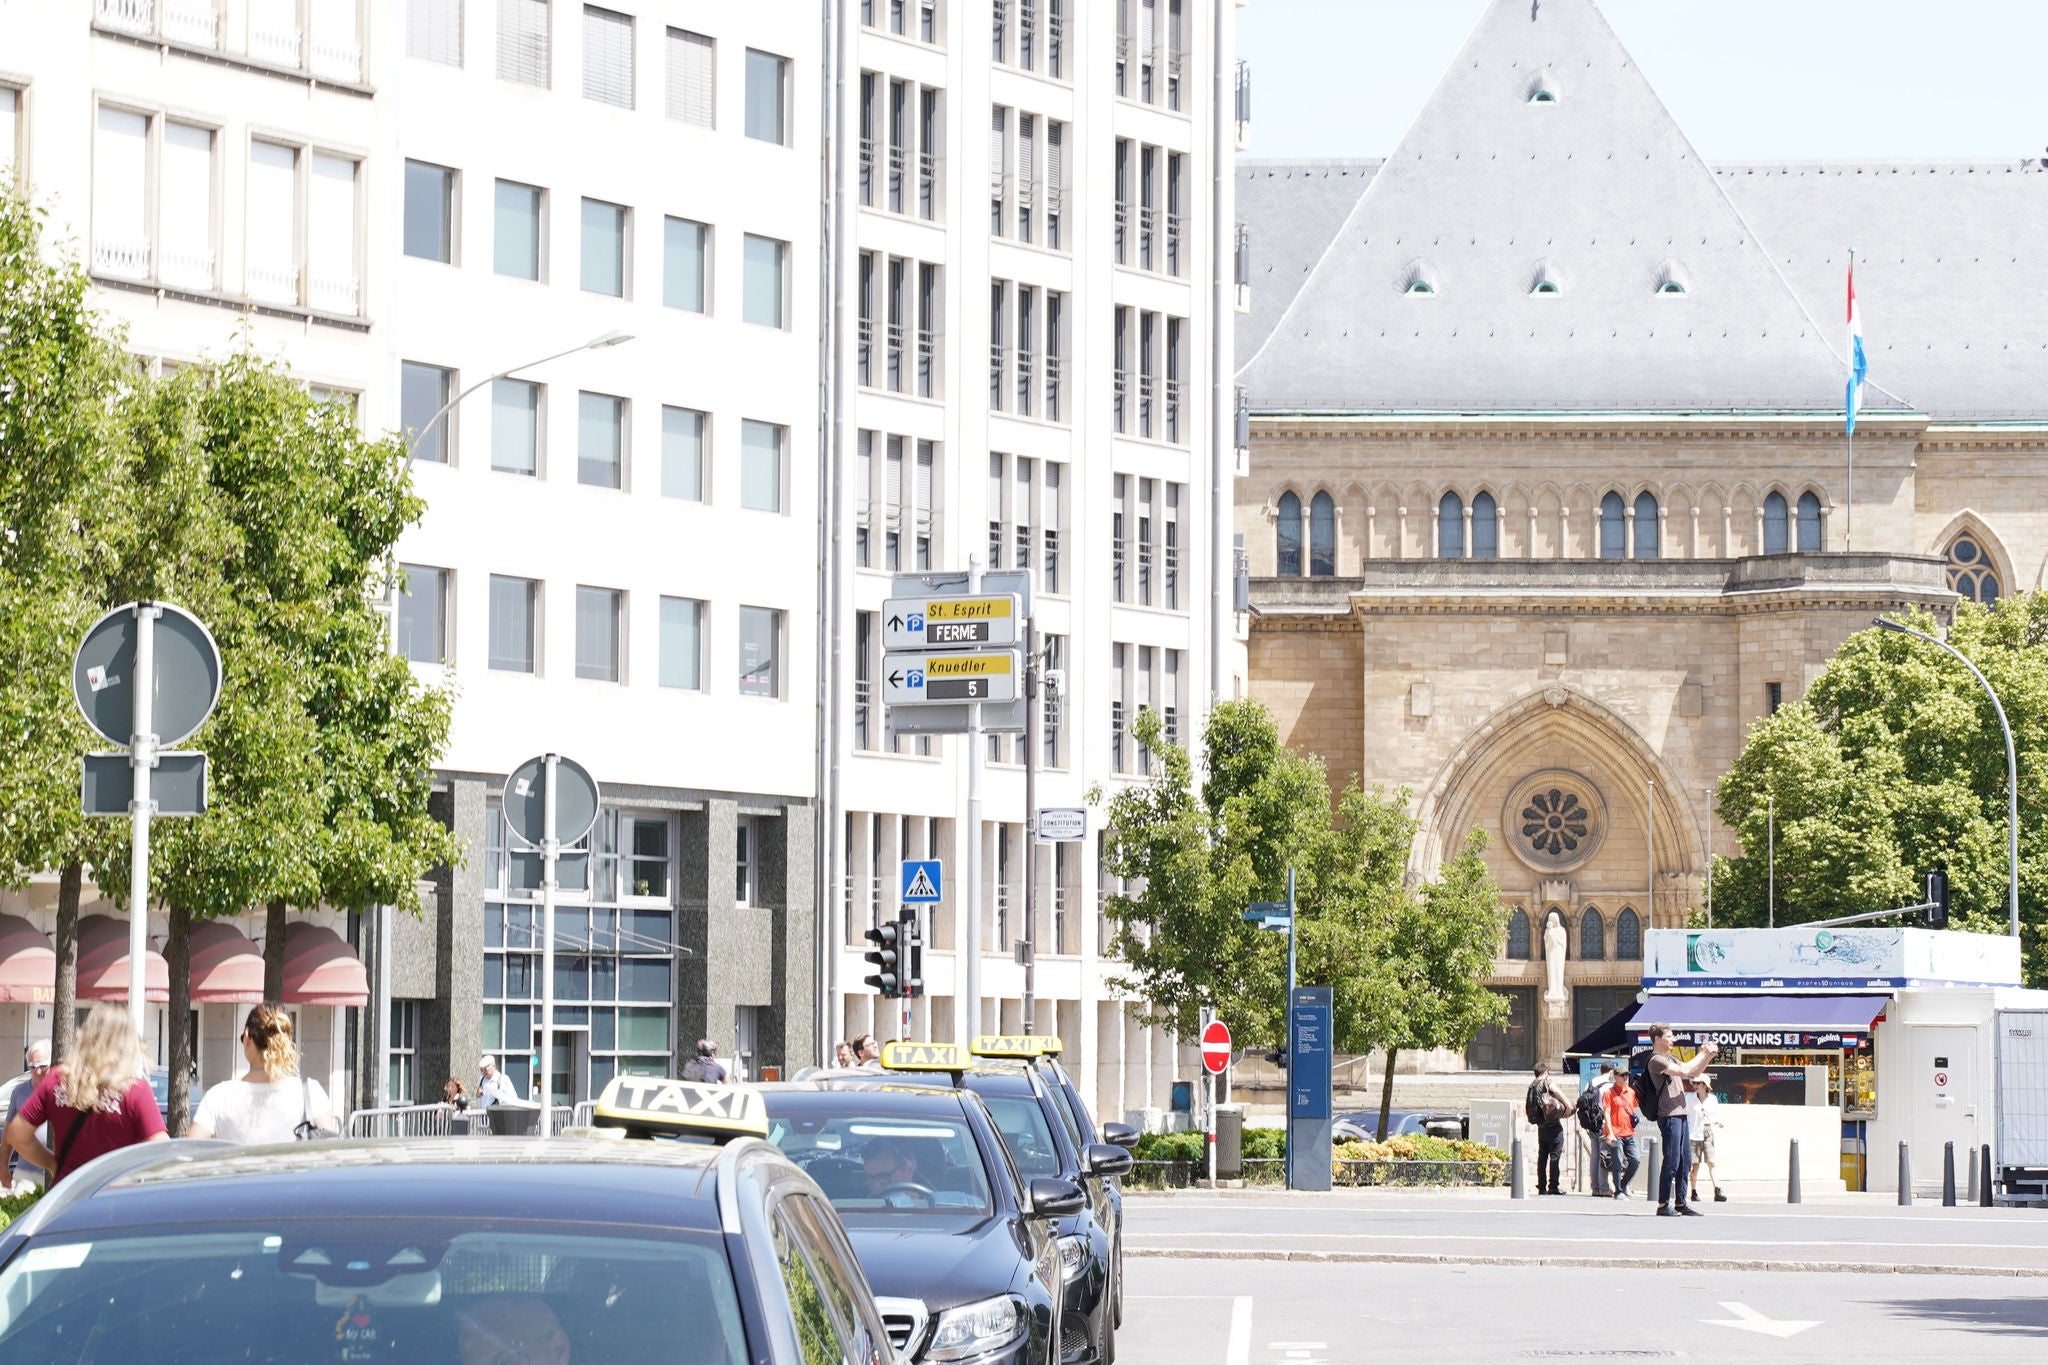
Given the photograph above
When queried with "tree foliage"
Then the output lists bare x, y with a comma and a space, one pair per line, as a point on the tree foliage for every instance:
1404, 962
1892, 764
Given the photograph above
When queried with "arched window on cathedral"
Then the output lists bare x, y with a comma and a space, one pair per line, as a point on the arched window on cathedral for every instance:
1628, 936
1809, 524
1287, 538
1646, 526
1485, 527
1518, 935
1777, 525
1450, 527
1970, 572
1613, 539
1322, 536
1592, 934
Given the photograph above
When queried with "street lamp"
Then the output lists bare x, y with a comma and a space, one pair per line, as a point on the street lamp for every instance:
2012, 773
380, 1083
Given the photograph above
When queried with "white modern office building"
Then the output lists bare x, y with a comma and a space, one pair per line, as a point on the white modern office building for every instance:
706, 319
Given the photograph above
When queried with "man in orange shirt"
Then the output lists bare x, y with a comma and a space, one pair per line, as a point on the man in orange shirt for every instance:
1619, 1147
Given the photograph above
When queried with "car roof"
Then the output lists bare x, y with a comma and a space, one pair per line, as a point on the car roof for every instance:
913, 1093
665, 1184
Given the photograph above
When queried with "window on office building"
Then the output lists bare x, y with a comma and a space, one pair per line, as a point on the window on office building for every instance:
604, 248
429, 211
600, 440
607, 57
402, 1084
686, 251
761, 459
682, 454
423, 614
423, 390
692, 94
760, 661
767, 97
523, 41
599, 656
10, 133
514, 627
516, 242
682, 643
433, 31
272, 251
766, 259
515, 426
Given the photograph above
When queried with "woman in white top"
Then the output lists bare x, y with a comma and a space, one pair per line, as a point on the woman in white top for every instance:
269, 1101
1702, 1119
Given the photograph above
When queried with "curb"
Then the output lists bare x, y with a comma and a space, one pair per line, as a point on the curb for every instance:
1587, 1262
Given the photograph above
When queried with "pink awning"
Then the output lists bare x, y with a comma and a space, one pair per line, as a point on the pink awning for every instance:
28, 964
103, 962
321, 969
227, 969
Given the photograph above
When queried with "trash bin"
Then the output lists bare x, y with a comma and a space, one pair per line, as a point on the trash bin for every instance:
514, 1120
1229, 1141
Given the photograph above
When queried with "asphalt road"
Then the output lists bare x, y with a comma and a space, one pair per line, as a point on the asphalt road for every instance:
1181, 1312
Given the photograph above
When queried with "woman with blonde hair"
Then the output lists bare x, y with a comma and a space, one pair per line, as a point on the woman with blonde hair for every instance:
269, 1102
99, 1101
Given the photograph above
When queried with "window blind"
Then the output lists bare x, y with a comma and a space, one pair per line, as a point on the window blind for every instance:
120, 172
892, 484
692, 78
607, 57
523, 41
331, 235
185, 193
273, 222
433, 31
1027, 157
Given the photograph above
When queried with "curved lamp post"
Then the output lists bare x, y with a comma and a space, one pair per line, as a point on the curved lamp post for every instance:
597, 343
2012, 772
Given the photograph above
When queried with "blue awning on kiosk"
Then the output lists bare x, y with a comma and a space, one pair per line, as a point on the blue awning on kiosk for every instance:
1776, 1020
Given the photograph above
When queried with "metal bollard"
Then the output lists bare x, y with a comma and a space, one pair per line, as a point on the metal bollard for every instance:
1792, 1176
1518, 1185
1905, 1176
1970, 1185
1948, 1175
1984, 1196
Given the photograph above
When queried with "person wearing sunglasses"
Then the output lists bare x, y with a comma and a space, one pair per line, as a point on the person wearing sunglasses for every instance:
13, 1170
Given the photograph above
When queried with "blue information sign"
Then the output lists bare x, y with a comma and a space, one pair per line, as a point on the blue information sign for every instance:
923, 881
1308, 1065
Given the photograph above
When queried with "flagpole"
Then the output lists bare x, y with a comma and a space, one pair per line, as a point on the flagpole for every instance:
1849, 426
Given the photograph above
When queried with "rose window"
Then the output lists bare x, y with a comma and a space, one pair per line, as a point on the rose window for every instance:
1555, 822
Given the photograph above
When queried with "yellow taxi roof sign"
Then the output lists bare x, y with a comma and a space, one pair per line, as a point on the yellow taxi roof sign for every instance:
1017, 1045
924, 1057
649, 1104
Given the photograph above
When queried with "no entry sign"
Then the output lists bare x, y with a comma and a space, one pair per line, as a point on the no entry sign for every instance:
1216, 1047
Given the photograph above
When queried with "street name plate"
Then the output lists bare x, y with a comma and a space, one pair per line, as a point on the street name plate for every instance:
950, 622
920, 679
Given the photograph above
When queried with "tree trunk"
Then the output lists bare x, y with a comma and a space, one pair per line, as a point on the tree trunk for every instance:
178, 959
64, 1027
273, 952
1387, 1092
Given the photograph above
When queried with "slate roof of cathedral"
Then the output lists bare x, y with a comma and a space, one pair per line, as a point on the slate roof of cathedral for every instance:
1599, 192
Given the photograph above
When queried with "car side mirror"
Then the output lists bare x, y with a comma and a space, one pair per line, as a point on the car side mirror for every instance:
1102, 1158
1052, 1197
1122, 1134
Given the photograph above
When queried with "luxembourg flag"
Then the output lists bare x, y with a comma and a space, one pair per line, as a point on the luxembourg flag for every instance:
1858, 365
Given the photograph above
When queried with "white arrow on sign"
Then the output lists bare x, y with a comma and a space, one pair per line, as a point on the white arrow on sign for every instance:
1749, 1320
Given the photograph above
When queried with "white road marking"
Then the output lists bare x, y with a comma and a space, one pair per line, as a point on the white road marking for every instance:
1217, 1235
1239, 1351
1749, 1320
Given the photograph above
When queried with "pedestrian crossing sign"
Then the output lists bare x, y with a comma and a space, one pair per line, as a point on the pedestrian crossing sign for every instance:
923, 881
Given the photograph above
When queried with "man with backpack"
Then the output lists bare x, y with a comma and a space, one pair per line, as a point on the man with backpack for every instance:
1667, 1078
1592, 1115
1547, 1108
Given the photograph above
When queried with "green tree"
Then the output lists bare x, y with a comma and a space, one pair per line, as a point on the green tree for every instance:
62, 455
1892, 764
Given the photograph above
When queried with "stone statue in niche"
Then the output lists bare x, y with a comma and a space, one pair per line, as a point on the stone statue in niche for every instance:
1553, 956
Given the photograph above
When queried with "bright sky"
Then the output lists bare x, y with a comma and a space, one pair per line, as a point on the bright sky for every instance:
1773, 80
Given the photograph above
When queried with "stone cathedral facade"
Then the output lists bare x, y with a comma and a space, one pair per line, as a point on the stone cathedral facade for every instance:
1548, 496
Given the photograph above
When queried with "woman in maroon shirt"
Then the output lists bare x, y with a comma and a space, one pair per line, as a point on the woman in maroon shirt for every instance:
97, 1102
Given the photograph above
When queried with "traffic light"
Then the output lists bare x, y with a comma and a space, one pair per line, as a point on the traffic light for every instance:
886, 956
1937, 898
913, 955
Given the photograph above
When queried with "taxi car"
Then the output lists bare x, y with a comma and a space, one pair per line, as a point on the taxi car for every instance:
960, 1246
712, 1249
1040, 1141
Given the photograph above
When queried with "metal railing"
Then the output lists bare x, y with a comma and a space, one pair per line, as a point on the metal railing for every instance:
403, 1120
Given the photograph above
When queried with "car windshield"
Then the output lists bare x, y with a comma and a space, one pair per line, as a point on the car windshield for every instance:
887, 1163
350, 1289
1021, 1121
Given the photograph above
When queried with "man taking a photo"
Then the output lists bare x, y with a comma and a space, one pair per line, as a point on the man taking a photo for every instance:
1669, 1078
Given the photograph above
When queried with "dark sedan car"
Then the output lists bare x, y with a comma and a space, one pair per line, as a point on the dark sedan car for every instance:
960, 1247
430, 1251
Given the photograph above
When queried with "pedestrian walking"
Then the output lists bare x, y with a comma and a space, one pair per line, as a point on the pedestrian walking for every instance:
270, 1102
97, 1102
866, 1051
1619, 1107
453, 1095
1592, 1115
13, 1170
1547, 1108
842, 1054
1668, 1079
493, 1086
1702, 1118
705, 1066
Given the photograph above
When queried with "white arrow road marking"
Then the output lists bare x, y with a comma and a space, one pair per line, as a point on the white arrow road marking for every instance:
1239, 1351
1749, 1320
